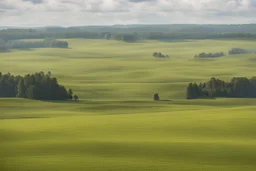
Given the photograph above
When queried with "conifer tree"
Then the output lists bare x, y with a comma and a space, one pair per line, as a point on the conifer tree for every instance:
21, 89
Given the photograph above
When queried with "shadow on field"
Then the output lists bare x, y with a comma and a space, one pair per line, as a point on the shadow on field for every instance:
26, 49
62, 101
23, 117
176, 40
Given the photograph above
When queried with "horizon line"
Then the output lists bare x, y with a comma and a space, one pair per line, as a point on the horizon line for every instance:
112, 25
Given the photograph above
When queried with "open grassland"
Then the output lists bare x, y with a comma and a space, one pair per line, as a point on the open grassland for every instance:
112, 70
116, 126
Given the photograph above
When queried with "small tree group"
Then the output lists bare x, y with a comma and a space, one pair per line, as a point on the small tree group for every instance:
209, 55
160, 55
70, 95
235, 51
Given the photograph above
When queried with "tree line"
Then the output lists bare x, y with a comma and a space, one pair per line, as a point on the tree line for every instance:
238, 87
19, 44
46, 43
16, 34
125, 34
187, 28
38, 86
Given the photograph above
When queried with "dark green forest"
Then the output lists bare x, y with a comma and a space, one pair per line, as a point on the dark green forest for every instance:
134, 33
38, 86
238, 87
46, 43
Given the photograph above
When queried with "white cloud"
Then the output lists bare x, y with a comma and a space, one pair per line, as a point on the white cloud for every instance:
102, 12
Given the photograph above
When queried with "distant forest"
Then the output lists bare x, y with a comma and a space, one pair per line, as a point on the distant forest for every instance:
21, 44
134, 33
238, 87
38, 86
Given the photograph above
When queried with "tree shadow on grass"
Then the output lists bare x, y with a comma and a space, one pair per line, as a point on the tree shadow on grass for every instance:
63, 101
164, 100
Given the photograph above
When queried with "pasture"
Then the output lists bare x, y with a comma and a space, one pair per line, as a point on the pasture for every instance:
116, 125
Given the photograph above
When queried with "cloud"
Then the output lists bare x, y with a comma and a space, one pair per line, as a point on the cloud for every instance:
99, 12
6, 6
253, 3
138, 1
35, 1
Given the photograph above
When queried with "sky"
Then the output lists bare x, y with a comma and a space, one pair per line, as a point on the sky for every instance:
34, 13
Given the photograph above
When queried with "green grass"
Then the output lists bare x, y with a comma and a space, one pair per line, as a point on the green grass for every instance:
112, 70
175, 135
116, 126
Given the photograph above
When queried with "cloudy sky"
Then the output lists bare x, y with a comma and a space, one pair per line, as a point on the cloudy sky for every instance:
109, 12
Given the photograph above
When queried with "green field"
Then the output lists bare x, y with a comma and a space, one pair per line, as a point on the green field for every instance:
116, 125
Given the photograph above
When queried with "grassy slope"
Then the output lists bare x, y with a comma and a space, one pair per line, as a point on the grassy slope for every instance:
103, 133
175, 135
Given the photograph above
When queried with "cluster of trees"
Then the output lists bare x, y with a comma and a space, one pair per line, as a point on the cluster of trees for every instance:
210, 55
126, 37
38, 86
238, 87
46, 43
160, 55
235, 51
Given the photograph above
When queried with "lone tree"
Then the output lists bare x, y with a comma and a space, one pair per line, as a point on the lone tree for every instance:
76, 97
156, 97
